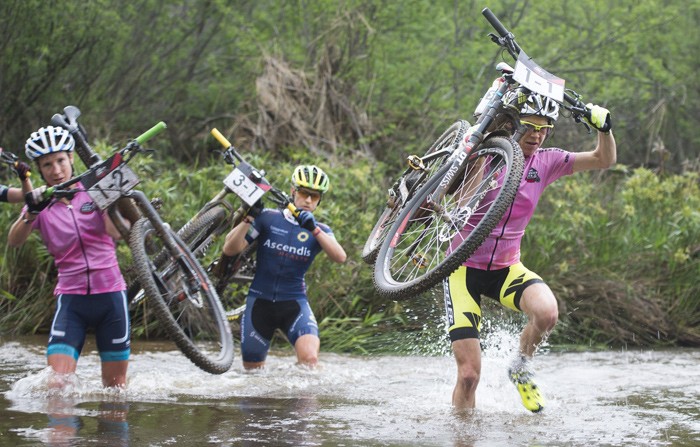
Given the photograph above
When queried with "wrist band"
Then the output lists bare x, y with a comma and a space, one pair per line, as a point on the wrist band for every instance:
316, 231
249, 220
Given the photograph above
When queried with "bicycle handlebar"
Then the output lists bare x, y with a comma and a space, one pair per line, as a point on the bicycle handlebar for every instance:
508, 40
493, 20
61, 190
10, 159
221, 138
279, 197
150, 133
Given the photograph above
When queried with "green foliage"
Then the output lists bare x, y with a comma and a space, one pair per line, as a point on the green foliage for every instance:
622, 256
407, 70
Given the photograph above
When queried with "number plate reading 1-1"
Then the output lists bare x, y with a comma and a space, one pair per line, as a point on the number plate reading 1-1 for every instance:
112, 186
243, 187
537, 79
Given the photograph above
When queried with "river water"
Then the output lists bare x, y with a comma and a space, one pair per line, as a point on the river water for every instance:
613, 398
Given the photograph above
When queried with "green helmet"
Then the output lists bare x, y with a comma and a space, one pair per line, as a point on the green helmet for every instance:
310, 177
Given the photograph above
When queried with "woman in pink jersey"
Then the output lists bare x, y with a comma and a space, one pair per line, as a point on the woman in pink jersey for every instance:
91, 290
495, 270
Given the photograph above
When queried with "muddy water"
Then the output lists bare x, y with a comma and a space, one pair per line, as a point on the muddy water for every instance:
615, 398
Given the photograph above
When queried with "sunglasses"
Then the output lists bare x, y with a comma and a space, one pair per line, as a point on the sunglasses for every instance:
536, 127
306, 193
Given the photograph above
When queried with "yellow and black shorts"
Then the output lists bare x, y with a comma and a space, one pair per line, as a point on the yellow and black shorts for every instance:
464, 288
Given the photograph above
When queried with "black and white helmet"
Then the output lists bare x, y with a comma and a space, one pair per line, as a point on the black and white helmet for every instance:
47, 140
530, 103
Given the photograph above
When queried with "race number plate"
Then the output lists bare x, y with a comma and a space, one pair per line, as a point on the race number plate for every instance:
111, 187
537, 79
240, 183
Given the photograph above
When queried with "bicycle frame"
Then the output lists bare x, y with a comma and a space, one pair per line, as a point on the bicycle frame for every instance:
113, 167
69, 121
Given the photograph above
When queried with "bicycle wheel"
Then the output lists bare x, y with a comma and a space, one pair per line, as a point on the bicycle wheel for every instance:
234, 275
411, 180
186, 305
198, 234
429, 242
231, 275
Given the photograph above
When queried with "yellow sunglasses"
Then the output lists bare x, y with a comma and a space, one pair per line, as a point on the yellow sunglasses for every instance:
536, 127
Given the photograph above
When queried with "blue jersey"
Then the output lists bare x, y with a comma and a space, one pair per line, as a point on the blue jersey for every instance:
285, 252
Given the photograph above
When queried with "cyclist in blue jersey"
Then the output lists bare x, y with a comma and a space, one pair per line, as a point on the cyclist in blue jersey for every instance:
287, 246
91, 290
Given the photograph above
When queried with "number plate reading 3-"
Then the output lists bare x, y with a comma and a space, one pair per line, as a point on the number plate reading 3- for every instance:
112, 186
243, 187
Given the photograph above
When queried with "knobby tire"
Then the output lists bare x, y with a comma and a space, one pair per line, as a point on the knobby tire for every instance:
427, 243
193, 318
404, 188
236, 272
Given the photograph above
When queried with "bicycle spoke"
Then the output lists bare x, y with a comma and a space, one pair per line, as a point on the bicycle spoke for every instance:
429, 239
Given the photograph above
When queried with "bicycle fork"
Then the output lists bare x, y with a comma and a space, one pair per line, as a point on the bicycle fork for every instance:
193, 281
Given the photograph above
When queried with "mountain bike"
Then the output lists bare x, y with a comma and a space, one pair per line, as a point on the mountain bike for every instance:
230, 274
180, 293
439, 225
419, 170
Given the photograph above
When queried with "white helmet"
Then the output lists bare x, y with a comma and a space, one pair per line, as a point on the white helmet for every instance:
530, 103
47, 140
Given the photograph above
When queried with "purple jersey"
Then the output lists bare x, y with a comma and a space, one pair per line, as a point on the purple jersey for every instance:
502, 247
84, 253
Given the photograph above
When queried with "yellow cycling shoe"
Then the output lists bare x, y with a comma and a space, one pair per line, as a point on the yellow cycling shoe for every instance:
529, 392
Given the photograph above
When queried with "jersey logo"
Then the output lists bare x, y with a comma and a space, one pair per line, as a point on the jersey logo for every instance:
88, 207
474, 319
532, 176
303, 236
288, 249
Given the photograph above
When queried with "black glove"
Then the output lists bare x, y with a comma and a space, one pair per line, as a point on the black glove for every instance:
23, 170
35, 200
306, 220
255, 210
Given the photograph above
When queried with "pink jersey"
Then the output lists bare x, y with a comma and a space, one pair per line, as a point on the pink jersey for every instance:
502, 247
84, 253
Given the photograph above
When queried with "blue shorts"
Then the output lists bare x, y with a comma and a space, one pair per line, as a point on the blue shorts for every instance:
106, 312
294, 317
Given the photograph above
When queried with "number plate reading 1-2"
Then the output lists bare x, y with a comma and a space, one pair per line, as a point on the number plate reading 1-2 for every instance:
243, 187
112, 186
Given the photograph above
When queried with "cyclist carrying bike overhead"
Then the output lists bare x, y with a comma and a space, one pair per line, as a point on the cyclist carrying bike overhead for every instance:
287, 246
495, 269
16, 195
91, 290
